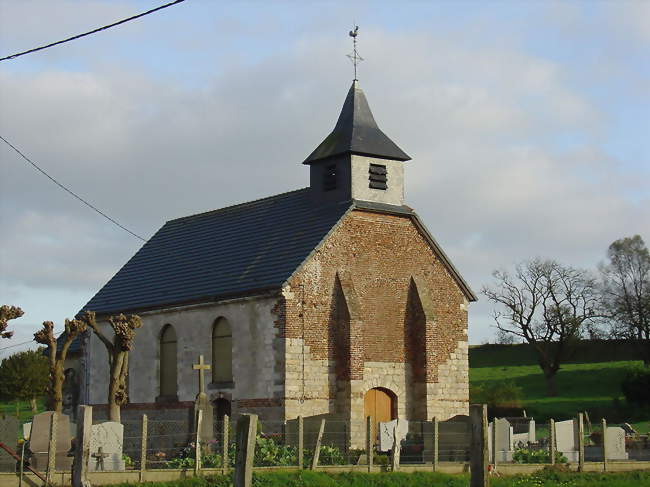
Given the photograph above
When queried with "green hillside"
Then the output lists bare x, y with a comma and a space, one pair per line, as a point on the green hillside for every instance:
586, 383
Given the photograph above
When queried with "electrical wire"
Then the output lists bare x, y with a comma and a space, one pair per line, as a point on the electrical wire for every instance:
70, 191
13, 56
25, 343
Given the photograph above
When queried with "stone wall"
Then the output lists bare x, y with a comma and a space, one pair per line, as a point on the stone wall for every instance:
257, 380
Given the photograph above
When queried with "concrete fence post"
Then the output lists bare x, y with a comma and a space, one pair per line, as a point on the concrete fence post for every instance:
197, 443
143, 446
245, 437
604, 424
224, 445
82, 447
301, 442
369, 453
581, 443
51, 448
551, 440
479, 446
319, 439
436, 442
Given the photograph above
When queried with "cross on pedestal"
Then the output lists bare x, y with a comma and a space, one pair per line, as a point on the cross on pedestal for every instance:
201, 366
99, 458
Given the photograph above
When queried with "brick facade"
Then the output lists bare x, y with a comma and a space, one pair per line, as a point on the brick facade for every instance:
374, 306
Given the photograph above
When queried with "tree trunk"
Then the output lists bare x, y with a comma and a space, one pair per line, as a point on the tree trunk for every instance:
32, 403
57, 387
117, 385
551, 388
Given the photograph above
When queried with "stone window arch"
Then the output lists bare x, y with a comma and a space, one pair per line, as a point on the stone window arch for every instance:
221, 351
168, 362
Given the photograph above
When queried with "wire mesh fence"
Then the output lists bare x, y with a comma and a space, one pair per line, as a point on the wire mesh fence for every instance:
154, 444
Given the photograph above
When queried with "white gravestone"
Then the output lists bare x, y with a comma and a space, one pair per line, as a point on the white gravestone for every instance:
565, 439
615, 439
27, 429
39, 441
387, 431
503, 440
106, 446
522, 439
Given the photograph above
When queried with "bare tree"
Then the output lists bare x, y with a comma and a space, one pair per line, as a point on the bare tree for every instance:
8, 313
57, 356
118, 356
547, 304
626, 292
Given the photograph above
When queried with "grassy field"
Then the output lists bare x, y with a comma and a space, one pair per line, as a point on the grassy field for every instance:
25, 414
589, 386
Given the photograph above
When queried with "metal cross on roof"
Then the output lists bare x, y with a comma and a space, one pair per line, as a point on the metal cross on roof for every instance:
201, 366
354, 55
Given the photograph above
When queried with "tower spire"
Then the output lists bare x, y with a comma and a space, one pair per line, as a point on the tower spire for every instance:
354, 55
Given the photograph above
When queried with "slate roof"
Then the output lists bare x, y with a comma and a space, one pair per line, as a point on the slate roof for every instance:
356, 132
233, 251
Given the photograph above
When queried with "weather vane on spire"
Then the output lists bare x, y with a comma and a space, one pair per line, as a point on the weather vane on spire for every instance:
354, 56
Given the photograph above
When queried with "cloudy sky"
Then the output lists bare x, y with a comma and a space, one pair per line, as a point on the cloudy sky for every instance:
527, 123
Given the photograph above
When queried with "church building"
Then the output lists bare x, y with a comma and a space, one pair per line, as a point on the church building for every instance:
329, 300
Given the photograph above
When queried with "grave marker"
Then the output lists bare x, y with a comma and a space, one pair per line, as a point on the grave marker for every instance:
202, 403
40, 440
106, 446
8, 436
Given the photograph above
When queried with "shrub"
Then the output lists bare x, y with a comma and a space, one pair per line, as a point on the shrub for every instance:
636, 386
503, 394
268, 453
526, 455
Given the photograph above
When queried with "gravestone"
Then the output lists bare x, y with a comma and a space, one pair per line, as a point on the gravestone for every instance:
106, 447
387, 432
8, 436
40, 439
202, 403
503, 441
629, 430
523, 433
455, 438
615, 445
566, 440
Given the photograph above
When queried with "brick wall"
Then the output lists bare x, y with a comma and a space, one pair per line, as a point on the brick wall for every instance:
371, 262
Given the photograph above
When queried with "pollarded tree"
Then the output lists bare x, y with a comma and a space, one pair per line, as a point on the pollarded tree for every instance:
548, 305
8, 313
626, 292
57, 356
24, 376
118, 356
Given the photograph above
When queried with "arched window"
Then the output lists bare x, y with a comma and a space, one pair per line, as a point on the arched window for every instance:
221, 351
168, 362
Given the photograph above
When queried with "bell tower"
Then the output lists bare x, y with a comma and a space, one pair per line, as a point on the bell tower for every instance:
357, 160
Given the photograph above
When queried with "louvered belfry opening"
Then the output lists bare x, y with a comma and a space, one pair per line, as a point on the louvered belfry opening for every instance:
377, 176
329, 177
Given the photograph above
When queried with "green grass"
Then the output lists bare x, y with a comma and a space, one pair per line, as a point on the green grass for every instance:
419, 479
581, 387
8, 408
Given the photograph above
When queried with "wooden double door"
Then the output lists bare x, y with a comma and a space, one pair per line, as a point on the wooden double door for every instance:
379, 404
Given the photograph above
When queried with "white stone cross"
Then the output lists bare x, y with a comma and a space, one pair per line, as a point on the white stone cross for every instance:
201, 366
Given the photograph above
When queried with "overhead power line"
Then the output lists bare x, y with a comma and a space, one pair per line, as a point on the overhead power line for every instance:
70, 191
13, 56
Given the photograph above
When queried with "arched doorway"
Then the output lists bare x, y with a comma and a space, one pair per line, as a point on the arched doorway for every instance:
381, 405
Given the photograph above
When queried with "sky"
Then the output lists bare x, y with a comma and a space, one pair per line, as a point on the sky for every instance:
527, 123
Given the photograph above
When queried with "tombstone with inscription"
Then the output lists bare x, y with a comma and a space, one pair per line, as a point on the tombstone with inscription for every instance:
615, 443
202, 403
39, 441
503, 440
566, 439
106, 446
8, 436
388, 432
